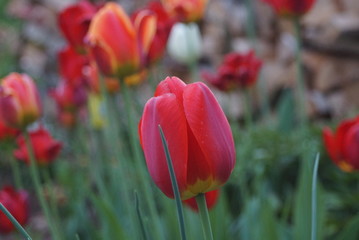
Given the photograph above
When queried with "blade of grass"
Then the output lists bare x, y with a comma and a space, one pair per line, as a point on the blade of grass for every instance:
15, 222
314, 198
138, 210
174, 185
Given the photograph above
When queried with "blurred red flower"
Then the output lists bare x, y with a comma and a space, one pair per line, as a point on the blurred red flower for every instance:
164, 25
199, 138
236, 71
291, 8
186, 10
211, 200
72, 66
113, 42
17, 203
74, 22
343, 144
46, 148
19, 100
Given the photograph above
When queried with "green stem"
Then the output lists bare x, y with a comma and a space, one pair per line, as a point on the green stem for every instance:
16, 172
139, 161
36, 179
15, 222
174, 185
203, 213
301, 99
248, 109
52, 198
314, 198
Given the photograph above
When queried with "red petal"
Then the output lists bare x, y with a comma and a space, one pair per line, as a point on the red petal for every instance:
166, 111
211, 130
331, 145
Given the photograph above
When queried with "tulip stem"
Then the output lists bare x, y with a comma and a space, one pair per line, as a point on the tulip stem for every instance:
300, 89
17, 175
36, 179
314, 198
203, 213
15, 222
248, 109
174, 185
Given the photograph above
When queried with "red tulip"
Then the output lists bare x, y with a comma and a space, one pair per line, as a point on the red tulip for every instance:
113, 42
211, 200
46, 149
186, 10
72, 65
198, 134
74, 23
17, 203
19, 100
343, 145
236, 71
164, 25
7, 132
292, 8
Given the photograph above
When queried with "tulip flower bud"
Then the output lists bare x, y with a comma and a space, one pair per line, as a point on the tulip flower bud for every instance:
198, 134
113, 42
45, 147
343, 145
74, 22
184, 43
19, 101
17, 203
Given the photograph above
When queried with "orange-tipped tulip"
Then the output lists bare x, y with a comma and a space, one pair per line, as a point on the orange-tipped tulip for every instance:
198, 134
186, 10
19, 100
113, 42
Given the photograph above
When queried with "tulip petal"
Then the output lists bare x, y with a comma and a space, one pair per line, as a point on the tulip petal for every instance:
165, 111
171, 85
351, 145
211, 129
331, 145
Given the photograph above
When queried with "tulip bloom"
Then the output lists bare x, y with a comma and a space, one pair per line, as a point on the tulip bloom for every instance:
19, 100
17, 203
46, 149
236, 71
291, 8
198, 134
186, 10
74, 22
343, 145
7, 132
211, 200
113, 42
164, 25
72, 65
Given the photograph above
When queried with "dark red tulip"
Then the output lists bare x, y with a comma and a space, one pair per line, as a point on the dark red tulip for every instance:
46, 148
198, 134
74, 22
72, 66
291, 8
343, 144
211, 200
236, 71
17, 203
